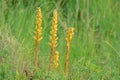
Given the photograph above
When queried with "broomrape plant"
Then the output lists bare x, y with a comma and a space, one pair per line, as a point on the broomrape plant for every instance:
53, 37
54, 55
38, 33
68, 40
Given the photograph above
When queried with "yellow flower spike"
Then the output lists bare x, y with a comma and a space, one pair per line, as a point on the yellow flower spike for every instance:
56, 58
68, 40
53, 37
37, 33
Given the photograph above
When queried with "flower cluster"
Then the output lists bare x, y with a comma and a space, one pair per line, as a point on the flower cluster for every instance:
69, 36
56, 58
53, 36
38, 26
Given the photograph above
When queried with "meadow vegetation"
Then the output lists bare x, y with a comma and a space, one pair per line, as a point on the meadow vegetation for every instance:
93, 51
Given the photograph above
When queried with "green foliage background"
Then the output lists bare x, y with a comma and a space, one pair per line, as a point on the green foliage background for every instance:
94, 53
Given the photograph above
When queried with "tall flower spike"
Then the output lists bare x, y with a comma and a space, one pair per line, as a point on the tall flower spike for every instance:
68, 40
38, 33
53, 37
56, 58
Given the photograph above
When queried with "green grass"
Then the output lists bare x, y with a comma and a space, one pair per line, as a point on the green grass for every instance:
94, 52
